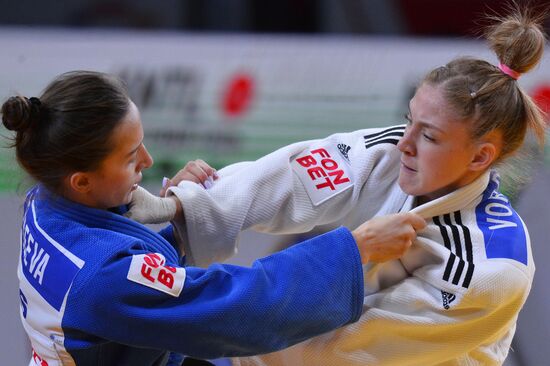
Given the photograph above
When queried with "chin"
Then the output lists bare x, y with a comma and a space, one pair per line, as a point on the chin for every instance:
406, 186
412, 190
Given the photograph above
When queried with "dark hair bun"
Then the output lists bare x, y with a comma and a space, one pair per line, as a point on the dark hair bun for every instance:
20, 113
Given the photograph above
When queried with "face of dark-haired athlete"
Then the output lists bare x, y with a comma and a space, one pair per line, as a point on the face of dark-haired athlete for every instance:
114, 181
438, 153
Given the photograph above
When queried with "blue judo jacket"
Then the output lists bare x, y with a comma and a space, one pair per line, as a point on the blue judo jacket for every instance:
99, 289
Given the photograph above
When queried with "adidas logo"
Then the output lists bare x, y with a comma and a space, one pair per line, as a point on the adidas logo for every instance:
448, 298
344, 149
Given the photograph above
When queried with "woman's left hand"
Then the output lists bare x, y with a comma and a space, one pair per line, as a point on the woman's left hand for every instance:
197, 171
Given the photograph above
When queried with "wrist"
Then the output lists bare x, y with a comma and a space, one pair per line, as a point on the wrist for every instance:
179, 207
361, 240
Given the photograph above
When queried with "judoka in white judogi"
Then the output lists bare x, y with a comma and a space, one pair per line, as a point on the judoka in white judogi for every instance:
453, 299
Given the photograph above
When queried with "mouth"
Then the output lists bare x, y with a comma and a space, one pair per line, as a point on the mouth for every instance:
406, 167
135, 185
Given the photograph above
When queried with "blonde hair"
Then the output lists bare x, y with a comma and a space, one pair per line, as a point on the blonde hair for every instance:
482, 93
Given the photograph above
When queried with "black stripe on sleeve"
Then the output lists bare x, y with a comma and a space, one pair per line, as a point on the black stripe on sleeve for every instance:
447, 243
469, 275
458, 248
467, 237
449, 267
384, 141
456, 235
458, 272
469, 250
396, 128
446, 240
385, 135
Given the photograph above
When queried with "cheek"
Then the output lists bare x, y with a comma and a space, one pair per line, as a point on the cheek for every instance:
124, 182
431, 158
446, 166
435, 166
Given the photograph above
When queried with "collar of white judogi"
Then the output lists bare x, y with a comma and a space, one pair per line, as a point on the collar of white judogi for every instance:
453, 201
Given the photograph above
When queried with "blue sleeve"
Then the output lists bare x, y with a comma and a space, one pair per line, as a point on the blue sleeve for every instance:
226, 310
168, 234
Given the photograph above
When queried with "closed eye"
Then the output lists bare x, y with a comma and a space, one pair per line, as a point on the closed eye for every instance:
428, 137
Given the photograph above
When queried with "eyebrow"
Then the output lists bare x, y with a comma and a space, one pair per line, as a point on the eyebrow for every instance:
134, 150
430, 126
424, 124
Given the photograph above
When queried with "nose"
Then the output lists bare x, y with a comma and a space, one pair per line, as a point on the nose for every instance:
406, 143
146, 160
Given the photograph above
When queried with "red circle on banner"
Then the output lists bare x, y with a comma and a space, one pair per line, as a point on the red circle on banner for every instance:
238, 95
541, 96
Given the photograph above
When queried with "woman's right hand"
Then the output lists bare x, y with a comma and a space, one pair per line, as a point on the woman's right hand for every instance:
388, 237
147, 208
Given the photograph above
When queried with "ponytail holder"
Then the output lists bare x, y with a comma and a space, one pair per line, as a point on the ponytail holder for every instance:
35, 101
508, 71
37, 111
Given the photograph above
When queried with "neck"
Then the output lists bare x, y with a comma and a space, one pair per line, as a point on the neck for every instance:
462, 182
79, 197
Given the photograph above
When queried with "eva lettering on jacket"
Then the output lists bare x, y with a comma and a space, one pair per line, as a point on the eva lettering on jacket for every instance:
33, 257
47, 266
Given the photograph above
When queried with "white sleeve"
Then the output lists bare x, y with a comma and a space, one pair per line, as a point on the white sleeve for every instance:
415, 323
291, 190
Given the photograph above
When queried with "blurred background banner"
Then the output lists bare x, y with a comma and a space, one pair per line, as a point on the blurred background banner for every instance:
231, 80
227, 98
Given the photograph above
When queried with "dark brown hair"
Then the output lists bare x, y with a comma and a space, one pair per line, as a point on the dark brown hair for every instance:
68, 128
482, 93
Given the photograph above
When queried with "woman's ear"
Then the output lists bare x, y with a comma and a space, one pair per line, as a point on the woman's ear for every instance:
485, 155
80, 182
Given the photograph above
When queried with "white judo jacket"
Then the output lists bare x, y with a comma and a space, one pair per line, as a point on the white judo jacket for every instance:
452, 299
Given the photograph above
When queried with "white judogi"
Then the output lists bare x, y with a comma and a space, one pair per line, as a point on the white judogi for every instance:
453, 299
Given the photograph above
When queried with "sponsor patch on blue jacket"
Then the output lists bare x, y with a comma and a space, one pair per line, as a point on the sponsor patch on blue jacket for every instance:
502, 228
45, 263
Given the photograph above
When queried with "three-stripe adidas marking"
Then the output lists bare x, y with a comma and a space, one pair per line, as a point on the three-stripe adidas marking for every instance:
457, 239
387, 136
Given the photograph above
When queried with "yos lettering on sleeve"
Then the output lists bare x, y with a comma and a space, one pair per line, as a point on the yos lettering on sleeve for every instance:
323, 172
150, 270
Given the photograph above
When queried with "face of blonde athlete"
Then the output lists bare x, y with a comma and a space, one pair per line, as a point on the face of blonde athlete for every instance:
119, 174
438, 153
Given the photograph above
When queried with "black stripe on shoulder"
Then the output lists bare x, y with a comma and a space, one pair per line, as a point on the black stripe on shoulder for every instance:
396, 128
393, 141
380, 137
